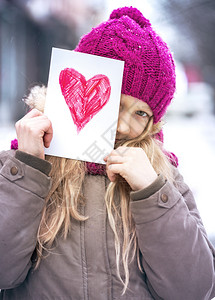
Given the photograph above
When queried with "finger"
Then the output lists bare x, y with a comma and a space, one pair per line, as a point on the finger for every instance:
113, 153
33, 113
114, 170
48, 136
29, 116
111, 176
118, 151
122, 151
105, 158
39, 127
115, 159
33, 126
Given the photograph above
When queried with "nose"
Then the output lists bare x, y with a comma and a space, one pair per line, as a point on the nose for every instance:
123, 126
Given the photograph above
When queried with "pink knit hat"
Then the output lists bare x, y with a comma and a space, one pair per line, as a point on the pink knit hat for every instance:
149, 72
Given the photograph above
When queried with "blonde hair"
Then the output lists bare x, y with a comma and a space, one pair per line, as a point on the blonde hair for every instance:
65, 197
128, 248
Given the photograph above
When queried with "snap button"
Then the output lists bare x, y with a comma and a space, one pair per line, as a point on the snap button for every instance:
164, 198
14, 170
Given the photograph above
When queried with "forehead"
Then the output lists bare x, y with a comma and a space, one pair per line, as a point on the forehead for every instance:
134, 103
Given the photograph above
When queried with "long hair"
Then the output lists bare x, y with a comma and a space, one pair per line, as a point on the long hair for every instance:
62, 202
65, 197
119, 214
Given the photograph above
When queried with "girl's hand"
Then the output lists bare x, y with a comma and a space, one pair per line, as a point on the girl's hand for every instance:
133, 165
34, 131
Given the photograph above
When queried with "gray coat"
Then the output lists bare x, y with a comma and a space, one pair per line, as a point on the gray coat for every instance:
177, 258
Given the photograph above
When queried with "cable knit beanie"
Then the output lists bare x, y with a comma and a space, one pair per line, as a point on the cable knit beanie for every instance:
149, 71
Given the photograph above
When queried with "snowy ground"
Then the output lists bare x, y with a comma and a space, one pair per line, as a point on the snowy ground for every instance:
193, 141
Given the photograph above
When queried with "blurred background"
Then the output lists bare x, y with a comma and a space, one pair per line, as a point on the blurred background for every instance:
30, 28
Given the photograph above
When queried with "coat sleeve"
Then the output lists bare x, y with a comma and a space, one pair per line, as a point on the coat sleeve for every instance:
177, 257
22, 192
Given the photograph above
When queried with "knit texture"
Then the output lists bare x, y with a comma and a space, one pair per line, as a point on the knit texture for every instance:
149, 71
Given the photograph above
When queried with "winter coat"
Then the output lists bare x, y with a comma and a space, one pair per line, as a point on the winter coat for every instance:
176, 256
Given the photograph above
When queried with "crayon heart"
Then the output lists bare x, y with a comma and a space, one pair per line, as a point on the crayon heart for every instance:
85, 98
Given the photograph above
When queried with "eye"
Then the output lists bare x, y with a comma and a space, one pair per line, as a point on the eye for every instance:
141, 113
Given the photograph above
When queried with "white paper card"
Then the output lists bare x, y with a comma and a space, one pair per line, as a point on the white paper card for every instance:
82, 103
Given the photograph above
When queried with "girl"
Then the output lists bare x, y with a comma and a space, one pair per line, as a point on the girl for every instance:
129, 230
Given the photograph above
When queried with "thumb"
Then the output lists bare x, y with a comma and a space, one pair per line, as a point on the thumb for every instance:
48, 135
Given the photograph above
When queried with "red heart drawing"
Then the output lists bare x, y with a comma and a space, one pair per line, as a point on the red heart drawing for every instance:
85, 98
